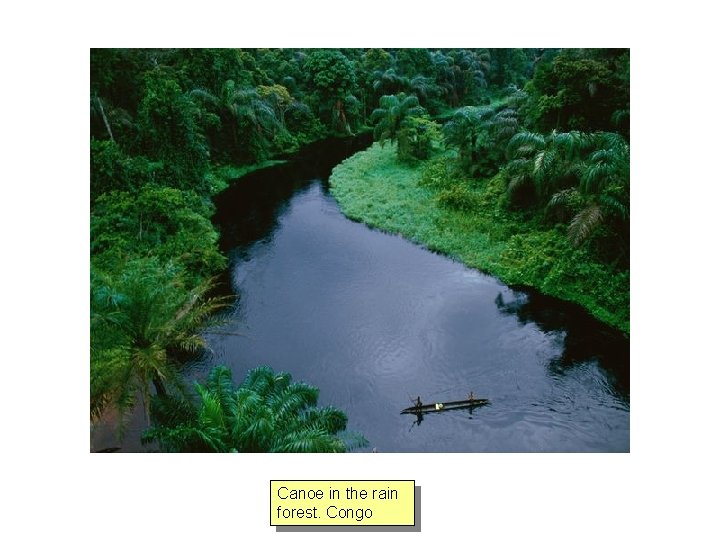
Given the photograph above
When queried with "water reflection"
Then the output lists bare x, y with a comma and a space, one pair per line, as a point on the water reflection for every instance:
584, 338
248, 211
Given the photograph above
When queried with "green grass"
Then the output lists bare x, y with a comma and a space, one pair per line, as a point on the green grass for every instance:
468, 221
221, 176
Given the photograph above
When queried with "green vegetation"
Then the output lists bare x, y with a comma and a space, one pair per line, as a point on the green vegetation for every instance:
400, 118
221, 176
142, 316
266, 413
532, 184
435, 206
547, 210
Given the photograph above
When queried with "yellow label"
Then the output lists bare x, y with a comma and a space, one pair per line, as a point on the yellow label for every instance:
342, 502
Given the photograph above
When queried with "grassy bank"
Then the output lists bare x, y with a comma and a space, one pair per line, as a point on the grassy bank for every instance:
469, 221
221, 176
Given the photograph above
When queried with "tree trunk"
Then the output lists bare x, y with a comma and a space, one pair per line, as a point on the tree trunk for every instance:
159, 385
99, 104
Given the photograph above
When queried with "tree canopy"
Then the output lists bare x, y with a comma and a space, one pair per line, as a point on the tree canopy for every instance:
552, 126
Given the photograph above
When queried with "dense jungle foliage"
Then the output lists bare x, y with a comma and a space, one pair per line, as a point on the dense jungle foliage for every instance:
546, 129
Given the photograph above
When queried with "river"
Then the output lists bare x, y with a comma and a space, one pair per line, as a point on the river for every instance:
374, 320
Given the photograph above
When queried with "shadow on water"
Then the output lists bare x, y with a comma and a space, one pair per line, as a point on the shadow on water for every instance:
248, 210
584, 337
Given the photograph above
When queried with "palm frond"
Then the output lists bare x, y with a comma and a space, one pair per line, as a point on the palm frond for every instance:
309, 440
525, 144
562, 198
211, 411
615, 206
220, 383
352, 440
328, 418
267, 413
516, 182
573, 143
203, 95
259, 380
584, 224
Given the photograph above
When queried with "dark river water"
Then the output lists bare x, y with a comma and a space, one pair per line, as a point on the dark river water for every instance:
373, 320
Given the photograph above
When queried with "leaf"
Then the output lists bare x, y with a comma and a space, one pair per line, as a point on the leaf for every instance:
584, 224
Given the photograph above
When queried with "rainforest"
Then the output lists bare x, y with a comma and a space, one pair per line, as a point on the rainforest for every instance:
288, 247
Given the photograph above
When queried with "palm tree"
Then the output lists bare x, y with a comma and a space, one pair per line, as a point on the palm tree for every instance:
473, 66
480, 134
447, 74
424, 87
389, 82
266, 413
391, 113
460, 73
604, 188
141, 321
251, 119
464, 130
583, 175
280, 99
548, 163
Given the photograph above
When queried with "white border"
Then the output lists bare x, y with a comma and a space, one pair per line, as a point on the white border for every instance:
53, 486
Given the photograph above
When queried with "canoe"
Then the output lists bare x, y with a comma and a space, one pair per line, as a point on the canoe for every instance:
446, 406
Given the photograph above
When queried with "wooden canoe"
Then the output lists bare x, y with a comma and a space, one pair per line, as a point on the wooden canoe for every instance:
446, 406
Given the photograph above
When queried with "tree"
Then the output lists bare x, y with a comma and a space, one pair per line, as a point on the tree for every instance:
510, 67
141, 320
155, 221
583, 177
416, 138
424, 88
389, 82
472, 66
461, 73
112, 169
446, 74
211, 68
266, 413
391, 114
466, 131
248, 120
547, 164
602, 197
332, 76
414, 62
170, 132
369, 66
481, 134
376, 60
116, 75
581, 89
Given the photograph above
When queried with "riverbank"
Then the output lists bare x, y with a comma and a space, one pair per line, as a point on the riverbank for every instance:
468, 222
221, 176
